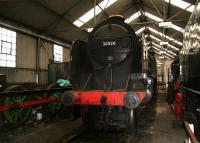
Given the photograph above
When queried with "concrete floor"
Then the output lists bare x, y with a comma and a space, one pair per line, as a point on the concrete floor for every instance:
47, 133
163, 131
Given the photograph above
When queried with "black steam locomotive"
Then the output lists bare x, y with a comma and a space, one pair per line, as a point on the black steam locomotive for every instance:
151, 72
173, 81
107, 76
190, 71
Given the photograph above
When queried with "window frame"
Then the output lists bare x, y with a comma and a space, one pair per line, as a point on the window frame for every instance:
8, 39
58, 53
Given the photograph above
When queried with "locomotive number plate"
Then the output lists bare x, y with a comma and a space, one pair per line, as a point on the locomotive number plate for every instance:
109, 43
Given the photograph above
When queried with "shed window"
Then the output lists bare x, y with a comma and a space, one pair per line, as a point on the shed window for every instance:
7, 48
58, 53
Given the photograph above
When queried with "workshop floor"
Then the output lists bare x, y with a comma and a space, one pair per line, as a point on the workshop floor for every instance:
45, 133
163, 131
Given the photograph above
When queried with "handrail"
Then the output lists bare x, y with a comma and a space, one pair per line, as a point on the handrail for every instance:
192, 90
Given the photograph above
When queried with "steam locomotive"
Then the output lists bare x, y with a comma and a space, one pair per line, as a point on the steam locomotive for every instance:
173, 81
24, 101
189, 69
107, 76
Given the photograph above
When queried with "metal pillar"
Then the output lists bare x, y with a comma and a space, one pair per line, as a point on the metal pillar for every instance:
37, 60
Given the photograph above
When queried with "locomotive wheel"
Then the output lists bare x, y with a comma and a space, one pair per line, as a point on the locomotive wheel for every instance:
18, 116
55, 106
131, 121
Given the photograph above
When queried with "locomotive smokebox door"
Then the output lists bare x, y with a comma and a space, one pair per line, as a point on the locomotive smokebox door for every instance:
107, 51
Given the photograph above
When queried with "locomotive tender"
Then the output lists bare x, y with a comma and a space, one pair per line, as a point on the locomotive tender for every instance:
107, 76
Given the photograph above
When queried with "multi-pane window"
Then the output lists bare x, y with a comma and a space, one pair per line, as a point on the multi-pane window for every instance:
7, 48
58, 53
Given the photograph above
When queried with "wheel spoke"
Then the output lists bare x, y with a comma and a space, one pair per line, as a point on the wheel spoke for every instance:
56, 105
23, 98
16, 116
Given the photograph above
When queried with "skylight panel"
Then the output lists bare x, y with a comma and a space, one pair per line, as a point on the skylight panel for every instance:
163, 48
169, 55
140, 30
158, 52
173, 47
155, 31
153, 37
177, 28
169, 45
153, 16
161, 34
182, 4
163, 52
156, 49
78, 23
175, 41
106, 3
133, 17
156, 45
171, 52
90, 14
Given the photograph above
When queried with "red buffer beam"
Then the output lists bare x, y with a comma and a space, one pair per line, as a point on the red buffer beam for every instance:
108, 98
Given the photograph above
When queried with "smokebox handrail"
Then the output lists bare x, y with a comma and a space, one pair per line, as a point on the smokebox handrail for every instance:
192, 90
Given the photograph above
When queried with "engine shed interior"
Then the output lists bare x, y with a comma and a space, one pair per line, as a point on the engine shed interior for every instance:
99, 71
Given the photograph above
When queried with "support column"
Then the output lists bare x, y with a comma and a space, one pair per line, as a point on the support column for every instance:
37, 60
